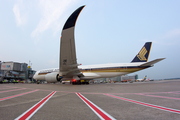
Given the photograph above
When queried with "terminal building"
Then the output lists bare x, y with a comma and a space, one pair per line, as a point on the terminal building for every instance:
15, 71
123, 78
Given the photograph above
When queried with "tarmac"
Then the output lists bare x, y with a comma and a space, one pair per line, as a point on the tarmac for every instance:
153, 100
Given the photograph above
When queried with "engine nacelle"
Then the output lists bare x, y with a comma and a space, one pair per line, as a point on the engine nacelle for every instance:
53, 77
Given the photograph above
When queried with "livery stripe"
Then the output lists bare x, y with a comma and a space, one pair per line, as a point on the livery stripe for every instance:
111, 69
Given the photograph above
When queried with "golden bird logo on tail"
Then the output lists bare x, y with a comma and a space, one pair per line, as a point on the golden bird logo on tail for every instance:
142, 54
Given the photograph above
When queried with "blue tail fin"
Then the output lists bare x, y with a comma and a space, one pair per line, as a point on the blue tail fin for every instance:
143, 54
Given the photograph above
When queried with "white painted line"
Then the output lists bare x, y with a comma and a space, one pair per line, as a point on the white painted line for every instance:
97, 110
30, 112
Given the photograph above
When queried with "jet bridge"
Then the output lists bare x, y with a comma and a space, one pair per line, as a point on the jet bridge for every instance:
13, 66
8, 68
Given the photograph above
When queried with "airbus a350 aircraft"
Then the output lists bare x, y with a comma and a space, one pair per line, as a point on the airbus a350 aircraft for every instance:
69, 69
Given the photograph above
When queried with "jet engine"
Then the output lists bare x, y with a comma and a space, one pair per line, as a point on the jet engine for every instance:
53, 77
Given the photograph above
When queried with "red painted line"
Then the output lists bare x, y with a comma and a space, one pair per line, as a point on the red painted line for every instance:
146, 104
1, 99
12, 90
159, 92
91, 93
7, 88
4, 88
98, 111
173, 92
30, 112
160, 96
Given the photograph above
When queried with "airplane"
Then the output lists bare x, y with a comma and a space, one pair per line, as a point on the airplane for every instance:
141, 80
69, 69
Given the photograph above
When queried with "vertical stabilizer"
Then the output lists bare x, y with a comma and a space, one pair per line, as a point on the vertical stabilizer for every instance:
143, 54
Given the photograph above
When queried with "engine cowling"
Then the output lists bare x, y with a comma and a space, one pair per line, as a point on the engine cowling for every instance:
53, 77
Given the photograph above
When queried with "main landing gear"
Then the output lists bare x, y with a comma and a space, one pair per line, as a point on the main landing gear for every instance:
79, 82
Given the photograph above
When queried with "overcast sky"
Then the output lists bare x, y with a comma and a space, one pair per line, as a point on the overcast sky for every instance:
107, 31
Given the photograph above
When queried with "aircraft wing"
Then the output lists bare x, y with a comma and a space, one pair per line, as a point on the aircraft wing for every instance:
152, 62
68, 63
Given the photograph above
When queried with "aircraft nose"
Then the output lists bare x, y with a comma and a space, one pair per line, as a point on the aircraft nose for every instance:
35, 76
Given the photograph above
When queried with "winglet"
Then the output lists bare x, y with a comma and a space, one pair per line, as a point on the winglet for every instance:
71, 21
68, 58
143, 54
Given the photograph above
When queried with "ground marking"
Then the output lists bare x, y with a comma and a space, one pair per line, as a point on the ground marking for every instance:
30, 112
7, 87
12, 90
146, 104
97, 110
2, 99
173, 92
160, 96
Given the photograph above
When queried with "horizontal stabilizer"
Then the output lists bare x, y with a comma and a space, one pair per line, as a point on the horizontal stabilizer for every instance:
152, 62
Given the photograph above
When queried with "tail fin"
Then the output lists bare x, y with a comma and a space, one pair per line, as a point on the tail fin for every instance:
143, 54
145, 77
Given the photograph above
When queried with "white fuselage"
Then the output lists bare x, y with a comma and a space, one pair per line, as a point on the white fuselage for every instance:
97, 71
